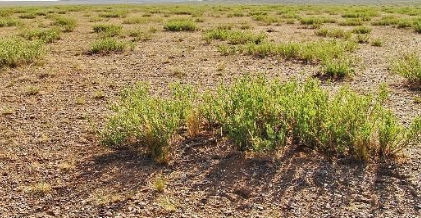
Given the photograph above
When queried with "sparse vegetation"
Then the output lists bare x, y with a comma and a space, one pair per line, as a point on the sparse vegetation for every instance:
45, 35
180, 25
409, 66
108, 30
8, 22
233, 36
15, 52
109, 45
67, 24
362, 30
334, 33
260, 115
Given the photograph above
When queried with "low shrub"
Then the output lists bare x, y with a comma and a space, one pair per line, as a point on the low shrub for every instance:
267, 19
15, 52
8, 22
334, 33
180, 25
108, 30
307, 52
142, 20
417, 27
362, 30
409, 66
234, 36
45, 35
68, 24
257, 114
352, 22
338, 68
316, 20
363, 38
386, 21
141, 35
377, 43
109, 45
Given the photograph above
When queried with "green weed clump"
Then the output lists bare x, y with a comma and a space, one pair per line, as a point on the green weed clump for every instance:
142, 20
409, 66
139, 35
108, 30
267, 19
68, 24
45, 35
316, 20
234, 36
257, 114
334, 33
180, 25
307, 52
386, 21
15, 52
338, 68
142, 119
352, 22
362, 30
8, 22
109, 45
417, 27
363, 38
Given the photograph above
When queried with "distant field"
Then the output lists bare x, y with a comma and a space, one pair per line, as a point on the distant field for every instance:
211, 110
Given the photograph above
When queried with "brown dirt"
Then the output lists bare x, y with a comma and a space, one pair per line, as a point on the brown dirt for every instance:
49, 138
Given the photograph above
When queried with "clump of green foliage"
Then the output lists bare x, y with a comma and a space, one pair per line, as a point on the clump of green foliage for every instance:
142, 20
234, 36
316, 20
338, 68
363, 38
258, 114
334, 33
267, 19
377, 43
68, 24
352, 22
362, 30
417, 26
45, 35
307, 52
409, 66
180, 25
140, 35
8, 22
109, 45
142, 119
15, 52
386, 21
108, 30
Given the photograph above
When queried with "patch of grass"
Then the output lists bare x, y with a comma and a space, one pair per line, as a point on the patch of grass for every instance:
8, 22
386, 21
142, 35
109, 45
45, 35
362, 30
180, 25
67, 24
377, 43
151, 121
114, 14
258, 114
307, 52
234, 36
32, 90
417, 27
28, 16
142, 20
409, 66
108, 30
352, 22
334, 33
160, 184
338, 68
267, 19
316, 20
15, 52
40, 189
363, 38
